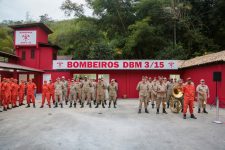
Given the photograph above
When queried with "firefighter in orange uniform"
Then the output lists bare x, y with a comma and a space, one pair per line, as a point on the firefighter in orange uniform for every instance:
3, 93
189, 97
0, 95
31, 86
15, 88
21, 92
45, 94
52, 91
7, 88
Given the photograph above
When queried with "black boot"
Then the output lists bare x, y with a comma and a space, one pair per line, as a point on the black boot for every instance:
74, 105
164, 111
184, 116
105, 102
139, 111
153, 105
28, 106
34, 105
41, 106
94, 102
109, 104
96, 106
114, 104
103, 106
61, 105
5, 109
204, 111
82, 105
146, 110
168, 104
56, 105
89, 105
66, 102
199, 110
70, 104
157, 112
193, 116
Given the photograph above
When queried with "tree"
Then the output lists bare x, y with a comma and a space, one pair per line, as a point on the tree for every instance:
6, 40
72, 8
45, 18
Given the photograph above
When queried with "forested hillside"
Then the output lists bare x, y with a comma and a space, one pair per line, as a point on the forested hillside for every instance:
135, 29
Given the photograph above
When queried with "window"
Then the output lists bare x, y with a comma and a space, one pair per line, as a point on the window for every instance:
31, 76
32, 53
90, 76
23, 55
175, 76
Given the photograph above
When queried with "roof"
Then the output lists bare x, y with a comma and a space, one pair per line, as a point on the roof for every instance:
29, 25
66, 57
202, 60
49, 45
18, 67
5, 54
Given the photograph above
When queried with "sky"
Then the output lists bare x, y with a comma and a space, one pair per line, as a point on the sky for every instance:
17, 9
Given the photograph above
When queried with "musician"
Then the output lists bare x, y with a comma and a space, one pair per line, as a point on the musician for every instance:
179, 86
202, 95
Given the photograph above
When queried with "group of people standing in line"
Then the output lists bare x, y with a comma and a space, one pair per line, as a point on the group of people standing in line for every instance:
11, 92
71, 92
77, 91
160, 90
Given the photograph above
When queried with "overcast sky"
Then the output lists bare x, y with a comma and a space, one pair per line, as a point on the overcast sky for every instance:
16, 9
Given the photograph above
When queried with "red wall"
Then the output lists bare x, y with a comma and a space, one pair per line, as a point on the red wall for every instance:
29, 62
206, 72
45, 58
6, 74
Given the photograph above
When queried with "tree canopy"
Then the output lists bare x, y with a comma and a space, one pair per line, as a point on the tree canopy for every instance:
136, 29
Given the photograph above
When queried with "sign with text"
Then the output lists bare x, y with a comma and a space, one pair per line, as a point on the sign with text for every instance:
115, 64
25, 38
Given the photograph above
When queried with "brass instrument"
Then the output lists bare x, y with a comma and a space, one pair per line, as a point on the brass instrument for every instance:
175, 100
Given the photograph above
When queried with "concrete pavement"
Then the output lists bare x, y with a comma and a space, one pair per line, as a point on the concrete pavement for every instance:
108, 129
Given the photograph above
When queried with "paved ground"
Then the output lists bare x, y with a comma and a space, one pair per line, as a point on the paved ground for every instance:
108, 129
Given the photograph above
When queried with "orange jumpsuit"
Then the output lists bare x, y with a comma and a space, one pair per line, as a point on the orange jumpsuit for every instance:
189, 97
15, 88
3, 93
30, 92
21, 93
7, 87
0, 94
52, 92
45, 94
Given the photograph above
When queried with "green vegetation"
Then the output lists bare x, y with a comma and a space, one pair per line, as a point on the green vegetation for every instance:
135, 29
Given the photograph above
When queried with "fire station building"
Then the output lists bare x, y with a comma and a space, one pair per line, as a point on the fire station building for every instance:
35, 58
